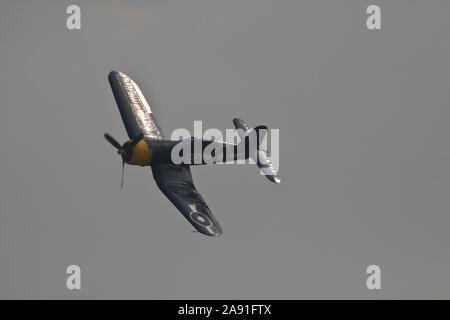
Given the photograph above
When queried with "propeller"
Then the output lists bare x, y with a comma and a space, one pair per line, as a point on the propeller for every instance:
123, 169
125, 150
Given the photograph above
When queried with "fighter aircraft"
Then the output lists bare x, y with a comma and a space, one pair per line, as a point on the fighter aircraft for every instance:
147, 146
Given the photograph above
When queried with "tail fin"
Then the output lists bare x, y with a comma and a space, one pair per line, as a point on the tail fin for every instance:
259, 155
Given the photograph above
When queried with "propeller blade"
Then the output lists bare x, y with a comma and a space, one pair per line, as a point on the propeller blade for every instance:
113, 141
123, 169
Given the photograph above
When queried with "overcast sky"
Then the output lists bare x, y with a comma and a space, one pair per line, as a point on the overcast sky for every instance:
364, 149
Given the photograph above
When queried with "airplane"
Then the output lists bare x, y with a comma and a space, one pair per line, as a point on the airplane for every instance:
147, 146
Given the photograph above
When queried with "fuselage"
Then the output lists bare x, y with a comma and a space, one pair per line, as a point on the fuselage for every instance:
159, 151
151, 151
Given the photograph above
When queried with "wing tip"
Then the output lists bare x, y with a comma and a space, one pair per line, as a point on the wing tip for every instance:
209, 234
214, 234
114, 73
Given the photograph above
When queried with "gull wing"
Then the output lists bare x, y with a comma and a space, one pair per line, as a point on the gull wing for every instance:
134, 108
177, 185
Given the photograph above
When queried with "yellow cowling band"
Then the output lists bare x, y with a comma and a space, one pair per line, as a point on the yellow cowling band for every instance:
142, 154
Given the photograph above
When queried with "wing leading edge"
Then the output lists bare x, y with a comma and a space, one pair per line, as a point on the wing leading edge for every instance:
177, 185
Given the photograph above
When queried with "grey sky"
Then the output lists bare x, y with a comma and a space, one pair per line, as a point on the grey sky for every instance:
363, 118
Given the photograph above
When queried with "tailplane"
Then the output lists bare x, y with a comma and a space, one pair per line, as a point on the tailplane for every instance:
254, 149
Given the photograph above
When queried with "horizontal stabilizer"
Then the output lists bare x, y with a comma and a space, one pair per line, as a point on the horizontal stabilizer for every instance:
259, 155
